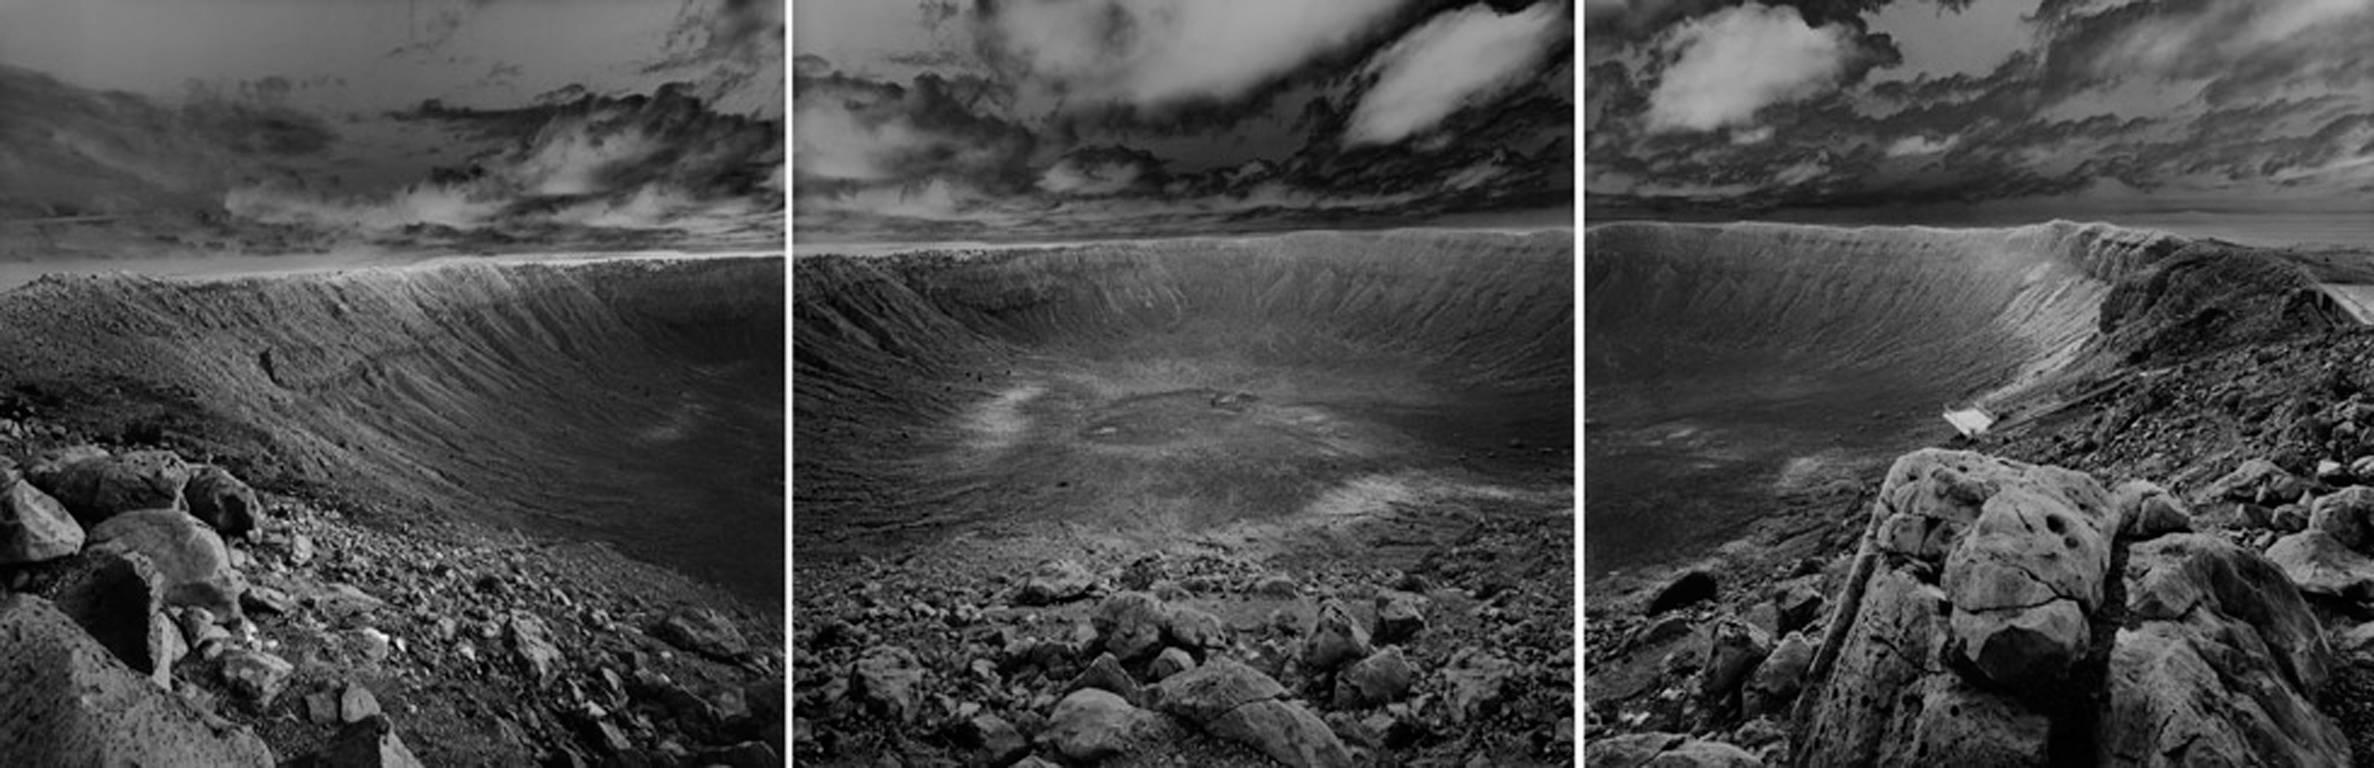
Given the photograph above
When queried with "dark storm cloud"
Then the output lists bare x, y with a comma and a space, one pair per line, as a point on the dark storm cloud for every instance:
1053, 118
2108, 99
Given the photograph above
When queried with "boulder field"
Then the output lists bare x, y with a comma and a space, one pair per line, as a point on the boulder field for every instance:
1179, 658
2000, 612
159, 611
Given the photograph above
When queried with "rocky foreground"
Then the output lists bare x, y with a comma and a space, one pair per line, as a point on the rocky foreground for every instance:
161, 612
2195, 589
1191, 656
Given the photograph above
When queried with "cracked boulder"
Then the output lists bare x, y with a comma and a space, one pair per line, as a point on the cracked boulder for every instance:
2023, 582
1973, 588
2217, 664
1237, 702
1974, 646
189, 557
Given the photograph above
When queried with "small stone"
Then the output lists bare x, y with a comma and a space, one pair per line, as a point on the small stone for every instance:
321, 708
1278, 586
356, 703
1195, 629
1478, 681
888, 678
267, 600
1000, 742
1105, 673
705, 632
1400, 615
254, 674
531, 641
1336, 640
1131, 624
1170, 661
370, 743
1056, 581
344, 601
374, 644
1383, 677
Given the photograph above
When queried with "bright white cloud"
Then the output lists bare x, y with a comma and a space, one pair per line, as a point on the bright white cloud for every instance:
1921, 145
1156, 53
1732, 63
1462, 58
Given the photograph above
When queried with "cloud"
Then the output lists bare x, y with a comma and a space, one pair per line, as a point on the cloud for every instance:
1920, 145
858, 130
1465, 57
1163, 53
1732, 63
1093, 171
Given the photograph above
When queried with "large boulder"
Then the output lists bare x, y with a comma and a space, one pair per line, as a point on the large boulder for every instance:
891, 680
1234, 701
2022, 583
1286, 732
1776, 682
1978, 592
1203, 694
1665, 750
1091, 725
95, 487
1195, 630
189, 557
1400, 615
2257, 481
1057, 581
1689, 588
705, 632
2321, 565
1734, 650
34, 528
2147, 511
1973, 566
118, 597
2343, 515
2218, 664
220, 499
70, 702
1130, 625
1477, 683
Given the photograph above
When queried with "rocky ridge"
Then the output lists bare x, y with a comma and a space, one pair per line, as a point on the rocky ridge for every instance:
2195, 587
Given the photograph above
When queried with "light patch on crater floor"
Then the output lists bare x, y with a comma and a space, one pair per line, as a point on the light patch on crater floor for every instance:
998, 423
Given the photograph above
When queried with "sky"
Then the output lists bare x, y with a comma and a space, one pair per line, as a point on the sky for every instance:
398, 120
2058, 107
1003, 119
